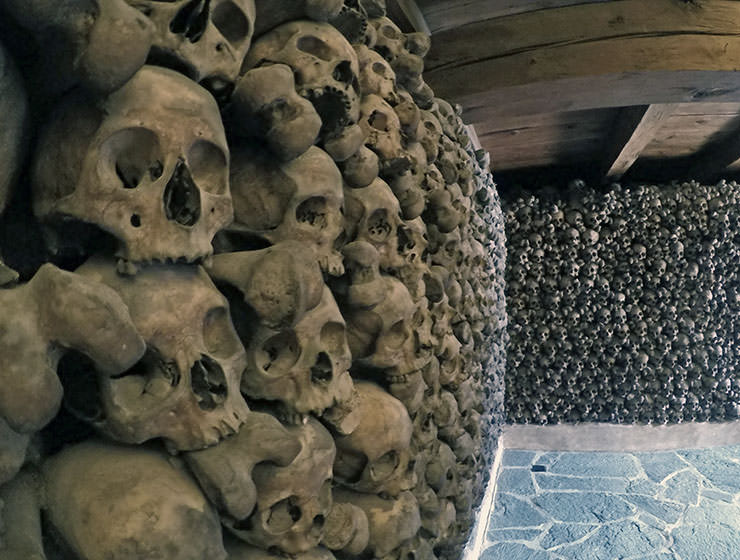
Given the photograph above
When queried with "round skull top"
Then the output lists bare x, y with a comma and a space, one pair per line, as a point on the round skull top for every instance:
149, 164
325, 67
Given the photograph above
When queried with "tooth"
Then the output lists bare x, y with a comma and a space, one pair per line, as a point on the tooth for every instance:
126, 267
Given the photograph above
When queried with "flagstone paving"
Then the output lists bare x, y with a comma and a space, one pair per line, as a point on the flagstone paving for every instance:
667, 505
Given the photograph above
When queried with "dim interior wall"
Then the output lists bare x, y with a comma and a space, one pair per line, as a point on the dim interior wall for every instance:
622, 305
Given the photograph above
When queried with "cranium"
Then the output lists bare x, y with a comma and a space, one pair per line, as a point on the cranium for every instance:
346, 529
383, 134
297, 200
303, 366
375, 456
186, 387
279, 283
391, 521
148, 164
265, 106
224, 471
294, 501
361, 168
430, 135
442, 471
98, 44
14, 106
116, 502
205, 39
376, 75
57, 311
372, 214
324, 65
380, 336
412, 245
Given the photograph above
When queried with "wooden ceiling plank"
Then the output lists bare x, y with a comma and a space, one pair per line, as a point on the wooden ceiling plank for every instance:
580, 24
633, 130
446, 14
619, 89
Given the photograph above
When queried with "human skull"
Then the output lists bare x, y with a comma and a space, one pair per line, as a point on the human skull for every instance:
382, 129
412, 245
294, 501
271, 13
204, 39
299, 200
380, 336
148, 164
265, 106
96, 44
116, 502
373, 214
303, 366
324, 65
375, 457
376, 75
57, 311
239, 550
186, 387
224, 471
279, 283
346, 529
391, 521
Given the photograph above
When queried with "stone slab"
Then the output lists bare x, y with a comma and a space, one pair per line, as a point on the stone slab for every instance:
584, 507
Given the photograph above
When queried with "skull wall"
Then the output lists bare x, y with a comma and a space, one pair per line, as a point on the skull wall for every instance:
259, 301
623, 305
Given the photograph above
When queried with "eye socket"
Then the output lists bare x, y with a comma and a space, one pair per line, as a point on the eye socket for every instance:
231, 22
132, 155
282, 516
208, 166
278, 353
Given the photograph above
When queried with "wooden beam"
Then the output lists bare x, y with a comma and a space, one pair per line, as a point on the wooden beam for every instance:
633, 130
414, 15
583, 24
600, 91
571, 58
448, 14
716, 157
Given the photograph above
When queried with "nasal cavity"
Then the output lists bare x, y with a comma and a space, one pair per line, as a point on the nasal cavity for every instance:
182, 197
209, 383
321, 372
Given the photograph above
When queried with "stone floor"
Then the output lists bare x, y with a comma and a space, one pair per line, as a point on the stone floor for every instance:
667, 505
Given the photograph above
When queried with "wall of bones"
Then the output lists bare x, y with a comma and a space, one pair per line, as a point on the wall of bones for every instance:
623, 305
252, 296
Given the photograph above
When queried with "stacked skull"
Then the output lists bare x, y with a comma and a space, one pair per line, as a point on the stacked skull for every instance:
622, 305
279, 259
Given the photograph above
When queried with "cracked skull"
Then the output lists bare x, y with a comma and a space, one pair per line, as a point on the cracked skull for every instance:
186, 387
148, 164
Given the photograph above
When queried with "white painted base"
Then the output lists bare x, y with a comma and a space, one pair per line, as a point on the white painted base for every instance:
619, 437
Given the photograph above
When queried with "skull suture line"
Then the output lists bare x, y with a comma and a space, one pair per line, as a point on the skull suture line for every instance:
149, 164
186, 387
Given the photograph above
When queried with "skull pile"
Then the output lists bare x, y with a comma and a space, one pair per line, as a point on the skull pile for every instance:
271, 318
622, 305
